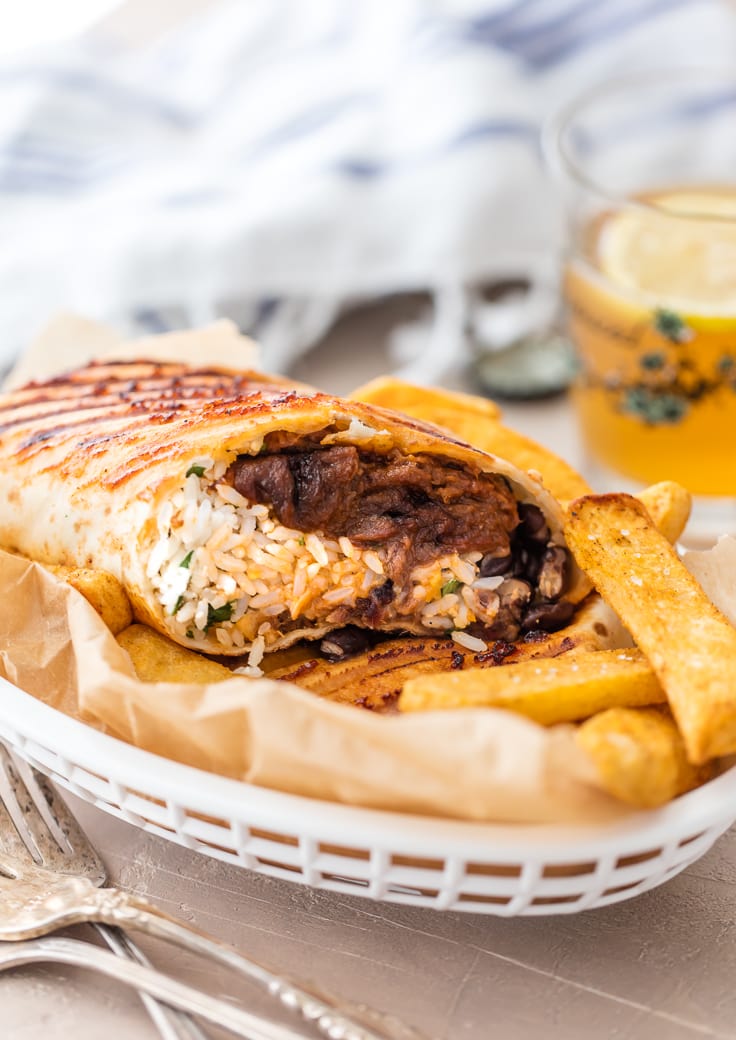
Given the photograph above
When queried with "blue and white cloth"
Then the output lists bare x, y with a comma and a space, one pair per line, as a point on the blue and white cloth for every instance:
274, 160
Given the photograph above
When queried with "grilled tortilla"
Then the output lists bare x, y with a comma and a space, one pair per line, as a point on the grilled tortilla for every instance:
242, 512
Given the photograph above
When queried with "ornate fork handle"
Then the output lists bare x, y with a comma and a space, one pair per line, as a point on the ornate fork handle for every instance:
115, 907
146, 980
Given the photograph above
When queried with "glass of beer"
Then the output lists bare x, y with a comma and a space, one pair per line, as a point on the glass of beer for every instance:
648, 164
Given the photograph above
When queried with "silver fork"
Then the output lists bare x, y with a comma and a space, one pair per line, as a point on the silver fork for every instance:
65, 890
26, 797
146, 980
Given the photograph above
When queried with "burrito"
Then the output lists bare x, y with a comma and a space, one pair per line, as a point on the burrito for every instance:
243, 512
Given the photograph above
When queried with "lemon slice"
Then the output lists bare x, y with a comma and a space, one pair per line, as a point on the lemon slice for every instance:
674, 251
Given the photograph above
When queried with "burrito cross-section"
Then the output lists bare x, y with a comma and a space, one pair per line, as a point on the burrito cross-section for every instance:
243, 513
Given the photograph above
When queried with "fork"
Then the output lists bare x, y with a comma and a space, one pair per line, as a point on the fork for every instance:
66, 889
146, 980
35, 821
21, 801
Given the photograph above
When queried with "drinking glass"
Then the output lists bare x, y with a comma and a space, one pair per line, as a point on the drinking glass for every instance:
648, 168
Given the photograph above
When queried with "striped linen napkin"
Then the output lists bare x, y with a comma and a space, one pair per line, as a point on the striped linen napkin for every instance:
275, 160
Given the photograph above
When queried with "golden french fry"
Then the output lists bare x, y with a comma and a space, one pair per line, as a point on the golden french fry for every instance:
669, 506
102, 591
156, 659
640, 756
477, 421
690, 645
388, 392
559, 689
374, 679
558, 476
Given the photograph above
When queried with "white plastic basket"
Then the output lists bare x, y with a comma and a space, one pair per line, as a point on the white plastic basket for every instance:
444, 864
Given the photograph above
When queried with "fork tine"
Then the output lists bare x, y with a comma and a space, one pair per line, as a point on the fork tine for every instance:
11, 868
10, 841
51, 804
26, 831
41, 794
44, 822
40, 831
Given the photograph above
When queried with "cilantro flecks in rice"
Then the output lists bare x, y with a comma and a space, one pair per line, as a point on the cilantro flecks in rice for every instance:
223, 566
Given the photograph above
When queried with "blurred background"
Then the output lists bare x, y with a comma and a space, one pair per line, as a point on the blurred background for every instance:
297, 165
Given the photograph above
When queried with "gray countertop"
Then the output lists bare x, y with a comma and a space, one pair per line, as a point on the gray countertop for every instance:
659, 966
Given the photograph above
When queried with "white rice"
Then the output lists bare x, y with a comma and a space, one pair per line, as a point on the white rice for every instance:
373, 560
222, 567
469, 642
488, 583
257, 651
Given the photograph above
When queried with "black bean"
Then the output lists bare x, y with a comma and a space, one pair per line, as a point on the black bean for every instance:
532, 524
495, 566
547, 616
521, 562
553, 573
526, 563
514, 594
344, 643
532, 566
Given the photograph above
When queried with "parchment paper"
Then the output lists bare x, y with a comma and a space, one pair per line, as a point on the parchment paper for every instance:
481, 765
69, 341
715, 570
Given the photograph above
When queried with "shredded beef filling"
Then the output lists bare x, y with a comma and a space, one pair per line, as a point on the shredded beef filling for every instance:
416, 507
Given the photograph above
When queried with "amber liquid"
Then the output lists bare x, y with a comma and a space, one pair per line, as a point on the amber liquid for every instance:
656, 397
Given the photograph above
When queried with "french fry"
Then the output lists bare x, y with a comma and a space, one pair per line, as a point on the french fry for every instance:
669, 506
558, 476
477, 421
690, 645
374, 679
640, 756
157, 659
388, 392
102, 591
559, 689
